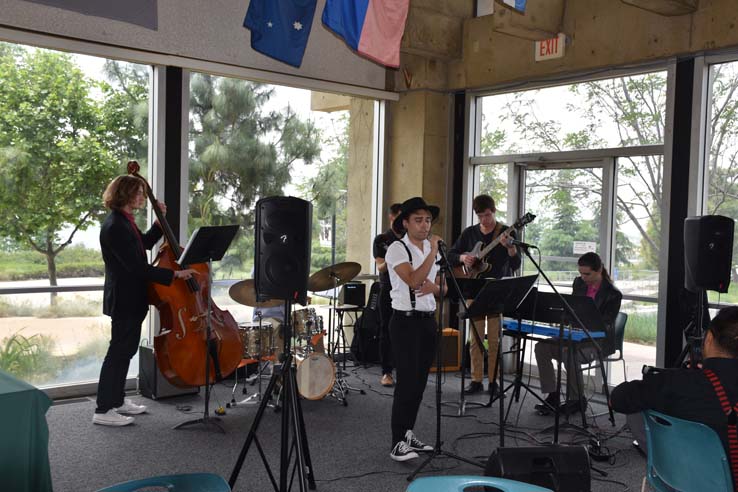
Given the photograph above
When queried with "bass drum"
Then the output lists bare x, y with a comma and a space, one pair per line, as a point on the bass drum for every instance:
316, 375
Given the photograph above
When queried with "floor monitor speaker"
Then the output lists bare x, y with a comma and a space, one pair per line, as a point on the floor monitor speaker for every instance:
555, 467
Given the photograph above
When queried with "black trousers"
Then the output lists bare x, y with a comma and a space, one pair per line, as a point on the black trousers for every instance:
124, 339
413, 346
385, 343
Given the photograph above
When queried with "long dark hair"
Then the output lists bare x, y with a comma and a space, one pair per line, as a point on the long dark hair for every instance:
593, 261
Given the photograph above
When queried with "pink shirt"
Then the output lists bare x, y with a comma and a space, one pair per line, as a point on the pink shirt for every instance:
592, 290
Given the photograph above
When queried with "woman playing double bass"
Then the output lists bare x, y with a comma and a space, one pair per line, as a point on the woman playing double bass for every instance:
127, 274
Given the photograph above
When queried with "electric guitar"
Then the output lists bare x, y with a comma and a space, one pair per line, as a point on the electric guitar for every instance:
480, 251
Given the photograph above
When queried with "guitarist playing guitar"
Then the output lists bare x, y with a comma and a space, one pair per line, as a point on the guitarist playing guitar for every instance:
501, 260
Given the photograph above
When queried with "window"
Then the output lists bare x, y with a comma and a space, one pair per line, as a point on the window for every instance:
589, 160
67, 124
722, 158
250, 140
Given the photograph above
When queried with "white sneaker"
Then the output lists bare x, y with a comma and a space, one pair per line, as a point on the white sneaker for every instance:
112, 418
130, 408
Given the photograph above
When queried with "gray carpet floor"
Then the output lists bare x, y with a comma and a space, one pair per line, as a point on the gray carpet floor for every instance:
349, 446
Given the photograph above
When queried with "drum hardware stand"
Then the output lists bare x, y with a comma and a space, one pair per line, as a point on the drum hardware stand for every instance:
292, 420
341, 372
207, 244
260, 364
437, 449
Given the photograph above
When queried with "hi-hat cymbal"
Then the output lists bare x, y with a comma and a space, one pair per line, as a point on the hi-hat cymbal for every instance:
243, 292
334, 275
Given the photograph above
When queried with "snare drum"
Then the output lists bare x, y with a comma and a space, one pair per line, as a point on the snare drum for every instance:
304, 322
257, 341
316, 376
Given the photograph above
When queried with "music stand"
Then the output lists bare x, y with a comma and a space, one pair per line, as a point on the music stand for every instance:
207, 244
551, 308
568, 309
497, 297
465, 288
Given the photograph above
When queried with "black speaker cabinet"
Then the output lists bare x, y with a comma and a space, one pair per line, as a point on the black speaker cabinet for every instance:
282, 247
450, 351
708, 252
151, 382
556, 467
353, 293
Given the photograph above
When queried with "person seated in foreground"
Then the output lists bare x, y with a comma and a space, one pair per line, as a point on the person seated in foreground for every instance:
689, 394
593, 282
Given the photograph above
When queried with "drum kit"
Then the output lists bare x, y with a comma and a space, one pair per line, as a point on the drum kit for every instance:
316, 372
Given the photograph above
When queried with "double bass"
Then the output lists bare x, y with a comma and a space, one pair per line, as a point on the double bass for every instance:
180, 345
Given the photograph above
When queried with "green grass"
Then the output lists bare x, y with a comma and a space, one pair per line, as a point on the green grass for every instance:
29, 358
79, 307
641, 328
75, 261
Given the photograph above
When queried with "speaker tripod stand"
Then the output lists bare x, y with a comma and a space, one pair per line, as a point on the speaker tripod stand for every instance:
292, 423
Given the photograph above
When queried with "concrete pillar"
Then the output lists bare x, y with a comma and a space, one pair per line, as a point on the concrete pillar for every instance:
360, 177
419, 159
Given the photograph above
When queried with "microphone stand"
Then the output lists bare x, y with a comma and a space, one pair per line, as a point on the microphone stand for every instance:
437, 450
568, 310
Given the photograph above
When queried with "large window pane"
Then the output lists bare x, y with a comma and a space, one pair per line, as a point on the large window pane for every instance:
620, 112
567, 204
638, 225
251, 140
68, 124
722, 165
493, 182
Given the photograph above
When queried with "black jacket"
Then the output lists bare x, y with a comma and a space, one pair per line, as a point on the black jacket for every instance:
608, 301
502, 264
682, 393
127, 271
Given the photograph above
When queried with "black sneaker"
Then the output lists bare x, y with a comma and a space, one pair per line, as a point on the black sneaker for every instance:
493, 389
474, 387
551, 400
402, 452
416, 444
571, 407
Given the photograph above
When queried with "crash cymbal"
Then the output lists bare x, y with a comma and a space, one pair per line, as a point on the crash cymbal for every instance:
334, 275
243, 292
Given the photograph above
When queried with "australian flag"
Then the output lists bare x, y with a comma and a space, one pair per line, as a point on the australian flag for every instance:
280, 28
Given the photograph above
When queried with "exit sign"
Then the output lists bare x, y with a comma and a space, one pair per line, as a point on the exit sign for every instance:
548, 49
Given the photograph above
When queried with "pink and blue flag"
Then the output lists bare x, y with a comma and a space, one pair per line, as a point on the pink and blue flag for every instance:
373, 28
280, 28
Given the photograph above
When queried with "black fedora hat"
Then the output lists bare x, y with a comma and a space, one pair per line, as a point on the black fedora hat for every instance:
410, 206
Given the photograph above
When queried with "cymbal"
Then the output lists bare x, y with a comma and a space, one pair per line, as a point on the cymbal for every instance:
243, 292
333, 275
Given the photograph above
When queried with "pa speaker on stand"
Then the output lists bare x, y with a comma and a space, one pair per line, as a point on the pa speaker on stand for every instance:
708, 252
283, 233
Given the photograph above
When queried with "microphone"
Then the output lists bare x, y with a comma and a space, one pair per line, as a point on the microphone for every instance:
441, 244
522, 244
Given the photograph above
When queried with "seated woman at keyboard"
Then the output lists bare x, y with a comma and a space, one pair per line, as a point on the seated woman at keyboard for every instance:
593, 282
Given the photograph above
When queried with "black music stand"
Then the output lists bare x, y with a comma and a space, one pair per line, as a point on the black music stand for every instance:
465, 288
566, 307
497, 297
207, 244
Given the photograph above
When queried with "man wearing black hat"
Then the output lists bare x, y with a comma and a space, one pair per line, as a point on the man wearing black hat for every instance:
411, 263
381, 243
503, 261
